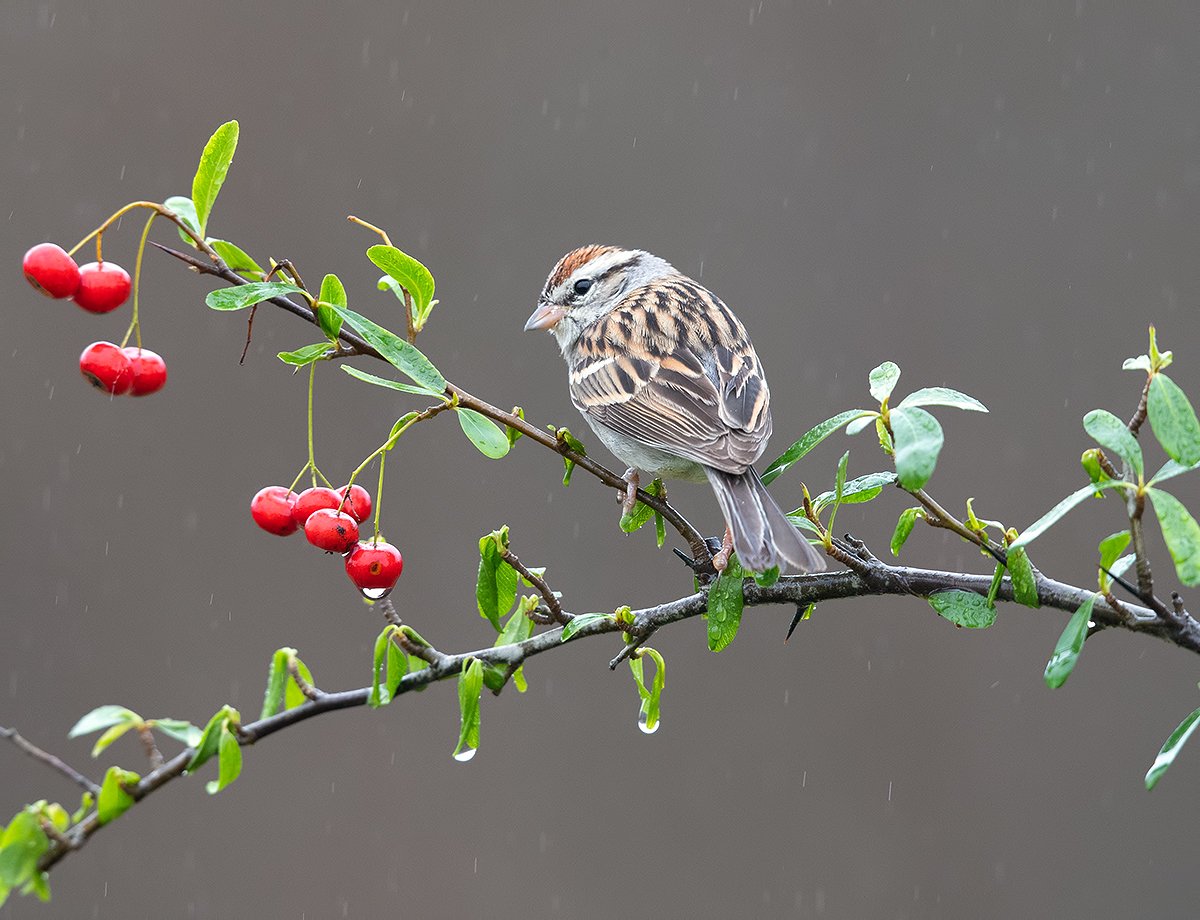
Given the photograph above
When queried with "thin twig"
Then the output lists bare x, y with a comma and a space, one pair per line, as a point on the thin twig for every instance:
49, 760
552, 602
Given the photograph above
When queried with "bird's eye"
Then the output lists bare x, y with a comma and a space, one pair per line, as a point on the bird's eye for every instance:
582, 285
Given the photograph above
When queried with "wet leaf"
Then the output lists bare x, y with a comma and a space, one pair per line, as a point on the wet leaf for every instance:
406, 270
857, 490
277, 675
964, 608
811, 439
496, 582
725, 603
293, 696
1070, 644
113, 800
236, 258
883, 380
488, 437
110, 735
651, 697
102, 717
470, 685
1181, 533
389, 384
1110, 432
214, 166
21, 846
302, 357
406, 358
942, 396
1051, 517
1173, 420
180, 730
1023, 580
1171, 749
581, 620
229, 761
918, 440
904, 527
247, 295
185, 210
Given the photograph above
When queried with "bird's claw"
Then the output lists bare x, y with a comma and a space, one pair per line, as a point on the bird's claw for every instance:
629, 499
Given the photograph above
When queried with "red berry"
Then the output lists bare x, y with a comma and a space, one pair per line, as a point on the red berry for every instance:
107, 368
49, 269
271, 509
103, 286
314, 499
149, 370
374, 567
334, 531
358, 502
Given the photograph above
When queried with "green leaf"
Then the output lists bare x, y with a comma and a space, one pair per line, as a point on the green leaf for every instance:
1023, 580
1110, 548
1170, 470
211, 737
488, 437
651, 697
180, 730
214, 165
904, 527
1051, 517
470, 685
390, 384
641, 513
496, 583
185, 210
247, 295
400, 354
21, 846
397, 667
293, 696
410, 273
236, 258
1070, 644
1173, 420
942, 396
113, 800
883, 381
86, 802
994, 589
767, 578
1109, 431
576, 445
1171, 748
1140, 363
580, 620
1181, 533
376, 698
518, 628
277, 675
229, 761
964, 608
862, 423
110, 735
102, 717
302, 357
811, 439
725, 602
918, 440
858, 490
333, 291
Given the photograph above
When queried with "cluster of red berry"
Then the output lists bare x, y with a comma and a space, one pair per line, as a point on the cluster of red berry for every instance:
330, 519
98, 287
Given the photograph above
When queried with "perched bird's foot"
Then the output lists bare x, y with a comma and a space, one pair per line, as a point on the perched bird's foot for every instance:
629, 499
721, 556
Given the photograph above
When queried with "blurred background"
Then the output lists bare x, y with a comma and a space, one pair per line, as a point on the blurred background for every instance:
1000, 197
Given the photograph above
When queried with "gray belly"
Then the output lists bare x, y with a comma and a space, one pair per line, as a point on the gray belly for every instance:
646, 458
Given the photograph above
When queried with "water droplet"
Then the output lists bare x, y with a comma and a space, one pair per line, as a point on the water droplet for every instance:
374, 594
647, 729
464, 755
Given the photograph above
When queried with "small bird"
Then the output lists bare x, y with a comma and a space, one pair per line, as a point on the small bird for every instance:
667, 378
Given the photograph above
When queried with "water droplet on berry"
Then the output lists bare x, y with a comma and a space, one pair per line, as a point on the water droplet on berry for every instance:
374, 594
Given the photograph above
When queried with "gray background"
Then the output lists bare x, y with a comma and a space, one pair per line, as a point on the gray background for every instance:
999, 197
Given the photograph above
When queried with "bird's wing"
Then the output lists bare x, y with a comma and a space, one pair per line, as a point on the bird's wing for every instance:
672, 367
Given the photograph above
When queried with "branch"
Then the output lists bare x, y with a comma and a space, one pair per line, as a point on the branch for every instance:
49, 760
356, 345
872, 578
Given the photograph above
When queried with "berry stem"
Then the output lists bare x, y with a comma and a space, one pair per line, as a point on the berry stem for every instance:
304, 469
158, 209
134, 325
312, 463
378, 496
362, 223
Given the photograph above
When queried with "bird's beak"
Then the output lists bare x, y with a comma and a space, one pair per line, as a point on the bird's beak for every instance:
546, 316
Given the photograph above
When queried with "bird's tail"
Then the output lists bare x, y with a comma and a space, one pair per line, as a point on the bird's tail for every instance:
763, 537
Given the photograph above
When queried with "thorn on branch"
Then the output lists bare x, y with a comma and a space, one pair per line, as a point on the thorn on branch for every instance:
799, 615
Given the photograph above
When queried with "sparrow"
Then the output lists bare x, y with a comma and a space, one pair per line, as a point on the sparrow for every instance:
667, 378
